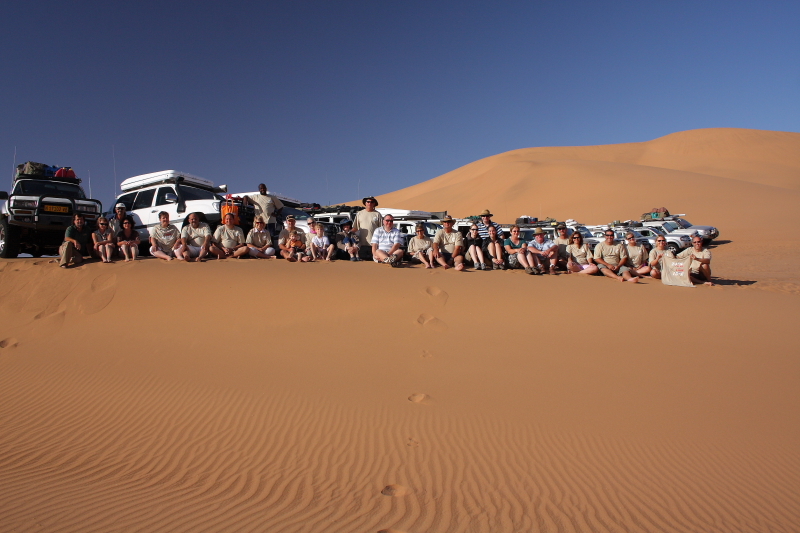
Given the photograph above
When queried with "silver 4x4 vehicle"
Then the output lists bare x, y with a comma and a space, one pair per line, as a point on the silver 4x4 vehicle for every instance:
677, 237
177, 193
37, 212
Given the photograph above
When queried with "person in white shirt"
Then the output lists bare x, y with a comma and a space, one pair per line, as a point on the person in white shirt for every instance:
386, 243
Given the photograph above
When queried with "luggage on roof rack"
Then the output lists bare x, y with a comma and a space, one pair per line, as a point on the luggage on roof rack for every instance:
36, 170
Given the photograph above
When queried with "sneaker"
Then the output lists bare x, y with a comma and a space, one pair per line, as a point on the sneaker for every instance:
354, 259
529, 270
478, 266
553, 271
495, 266
392, 260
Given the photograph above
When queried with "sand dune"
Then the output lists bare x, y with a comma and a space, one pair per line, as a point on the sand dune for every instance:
267, 396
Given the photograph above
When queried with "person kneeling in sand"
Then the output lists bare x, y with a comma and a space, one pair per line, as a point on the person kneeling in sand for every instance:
637, 256
611, 257
228, 240
386, 242
165, 239
657, 254
347, 241
701, 262
579, 257
195, 238
292, 242
76, 242
448, 245
420, 247
259, 241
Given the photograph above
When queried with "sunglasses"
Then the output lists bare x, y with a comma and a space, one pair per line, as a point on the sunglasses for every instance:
630, 238
660, 240
609, 234
102, 224
576, 238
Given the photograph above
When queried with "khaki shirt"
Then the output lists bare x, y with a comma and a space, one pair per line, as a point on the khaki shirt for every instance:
259, 239
448, 241
228, 237
419, 244
265, 205
637, 255
654, 253
115, 224
165, 237
580, 254
705, 253
612, 254
562, 247
365, 224
284, 236
195, 236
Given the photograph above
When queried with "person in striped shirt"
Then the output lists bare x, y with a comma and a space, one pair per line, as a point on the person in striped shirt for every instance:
386, 243
486, 221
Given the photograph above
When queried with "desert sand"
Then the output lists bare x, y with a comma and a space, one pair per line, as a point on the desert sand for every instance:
246, 395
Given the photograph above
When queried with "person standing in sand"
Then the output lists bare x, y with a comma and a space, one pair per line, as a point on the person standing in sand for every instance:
347, 241
420, 247
637, 256
266, 206
580, 257
288, 251
228, 240
165, 239
195, 237
386, 243
656, 255
543, 251
259, 240
701, 262
77, 240
611, 257
448, 245
486, 223
365, 223
103, 240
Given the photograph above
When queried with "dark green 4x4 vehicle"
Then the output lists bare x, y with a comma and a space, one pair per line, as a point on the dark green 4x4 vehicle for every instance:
37, 211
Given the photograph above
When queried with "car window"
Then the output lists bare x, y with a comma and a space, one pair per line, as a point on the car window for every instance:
41, 188
161, 197
143, 199
670, 226
193, 193
127, 199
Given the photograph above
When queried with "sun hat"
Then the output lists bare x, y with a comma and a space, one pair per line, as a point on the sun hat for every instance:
120, 205
486, 213
561, 226
346, 222
289, 217
364, 200
539, 231
448, 218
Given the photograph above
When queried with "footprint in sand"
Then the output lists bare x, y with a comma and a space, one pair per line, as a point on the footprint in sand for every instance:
431, 322
437, 294
391, 531
412, 442
425, 354
395, 491
98, 295
419, 397
10, 342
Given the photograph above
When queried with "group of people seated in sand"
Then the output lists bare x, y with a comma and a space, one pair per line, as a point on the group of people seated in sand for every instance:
373, 236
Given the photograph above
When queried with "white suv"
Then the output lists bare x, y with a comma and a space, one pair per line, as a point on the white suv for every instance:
177, 193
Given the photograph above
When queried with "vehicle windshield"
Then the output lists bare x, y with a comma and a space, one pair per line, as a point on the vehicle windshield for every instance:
298, 215
585, 233
44, 188
682, 222
656, 231
193, 193
670, 226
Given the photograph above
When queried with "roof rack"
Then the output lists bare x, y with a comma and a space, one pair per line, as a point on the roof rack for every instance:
335, 209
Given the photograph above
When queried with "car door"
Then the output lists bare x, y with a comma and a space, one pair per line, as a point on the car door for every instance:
141, 212
162, 204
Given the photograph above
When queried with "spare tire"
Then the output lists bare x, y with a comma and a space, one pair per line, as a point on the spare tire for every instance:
9, 240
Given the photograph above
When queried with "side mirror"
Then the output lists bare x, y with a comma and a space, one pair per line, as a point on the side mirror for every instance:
171, 198
3, 195
222, 188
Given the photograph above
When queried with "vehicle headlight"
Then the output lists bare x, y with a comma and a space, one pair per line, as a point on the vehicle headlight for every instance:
215, 206
25, 204
686, 238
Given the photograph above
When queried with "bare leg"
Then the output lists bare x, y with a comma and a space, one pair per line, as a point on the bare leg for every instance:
160, 255
655, 273
239, 252
219, 252
627, 276
442, 261
126, 251
591, 269
642, 270
609, 274
459, 261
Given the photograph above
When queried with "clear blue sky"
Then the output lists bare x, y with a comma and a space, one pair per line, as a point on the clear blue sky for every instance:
388, 93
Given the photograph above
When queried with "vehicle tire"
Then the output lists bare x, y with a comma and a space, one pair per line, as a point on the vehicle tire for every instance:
9, 240
672, 247
37, 252
144, 249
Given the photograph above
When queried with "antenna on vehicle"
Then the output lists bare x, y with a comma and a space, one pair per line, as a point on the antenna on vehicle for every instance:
359, 187
89, 175
327, 190
114, 157
14, 168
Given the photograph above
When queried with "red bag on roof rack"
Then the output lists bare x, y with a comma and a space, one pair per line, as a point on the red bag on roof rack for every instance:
66, 172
